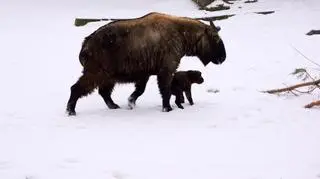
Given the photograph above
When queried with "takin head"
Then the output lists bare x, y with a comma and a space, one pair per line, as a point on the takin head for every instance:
210, 47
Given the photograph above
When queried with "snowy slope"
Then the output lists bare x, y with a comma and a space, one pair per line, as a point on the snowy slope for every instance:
238, 133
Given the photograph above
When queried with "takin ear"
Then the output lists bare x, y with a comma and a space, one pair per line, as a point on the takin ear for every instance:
218, 28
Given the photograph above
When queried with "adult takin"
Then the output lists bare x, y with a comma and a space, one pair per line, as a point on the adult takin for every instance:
130, 51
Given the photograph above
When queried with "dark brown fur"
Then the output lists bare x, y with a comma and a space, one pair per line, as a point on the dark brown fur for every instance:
182, 82
131, 50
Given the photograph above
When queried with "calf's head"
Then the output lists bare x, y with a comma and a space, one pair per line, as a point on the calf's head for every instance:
195, 76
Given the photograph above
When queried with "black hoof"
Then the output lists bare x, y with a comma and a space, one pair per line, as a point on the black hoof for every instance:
180, 106
131, 103
71, 113
191, 103
114, 106
167, 109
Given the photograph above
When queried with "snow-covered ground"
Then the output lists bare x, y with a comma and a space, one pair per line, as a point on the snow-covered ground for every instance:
238, 133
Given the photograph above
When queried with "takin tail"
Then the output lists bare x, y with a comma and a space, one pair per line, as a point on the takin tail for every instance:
84, 54
83, 57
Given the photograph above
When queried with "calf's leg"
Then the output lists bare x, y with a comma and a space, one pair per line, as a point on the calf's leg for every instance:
189, 96
179, 98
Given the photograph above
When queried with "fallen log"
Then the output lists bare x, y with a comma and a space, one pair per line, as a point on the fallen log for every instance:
83, 21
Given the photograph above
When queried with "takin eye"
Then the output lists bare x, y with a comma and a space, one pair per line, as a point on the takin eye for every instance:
213, 35
216, 38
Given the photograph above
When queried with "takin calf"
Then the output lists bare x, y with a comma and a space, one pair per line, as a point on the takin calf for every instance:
130, 51
182, 82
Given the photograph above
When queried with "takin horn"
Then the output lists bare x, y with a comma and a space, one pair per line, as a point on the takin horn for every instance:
218, 28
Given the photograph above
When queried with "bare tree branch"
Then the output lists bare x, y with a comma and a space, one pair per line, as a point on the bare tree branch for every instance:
290, 88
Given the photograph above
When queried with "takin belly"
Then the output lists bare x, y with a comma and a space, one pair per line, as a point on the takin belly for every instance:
131, 78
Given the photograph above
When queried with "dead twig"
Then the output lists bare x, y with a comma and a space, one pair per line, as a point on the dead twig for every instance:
305, 56
315, 103
313, 32
251, 1
290, 88
265, 12
303, 74
306, 92
215, 18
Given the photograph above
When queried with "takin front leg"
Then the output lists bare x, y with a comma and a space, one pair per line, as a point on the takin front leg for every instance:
105, 91
84, 86
189, 96
164, 84
140, 87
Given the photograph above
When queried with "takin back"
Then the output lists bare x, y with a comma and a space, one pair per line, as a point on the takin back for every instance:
130, 51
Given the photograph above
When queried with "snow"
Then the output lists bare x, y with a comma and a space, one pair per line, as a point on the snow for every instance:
235, 133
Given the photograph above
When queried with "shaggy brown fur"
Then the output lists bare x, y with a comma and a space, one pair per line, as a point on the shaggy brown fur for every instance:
182, 82
132, 50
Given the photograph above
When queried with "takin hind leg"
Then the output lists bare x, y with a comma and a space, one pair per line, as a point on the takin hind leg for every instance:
105, 91
84, 86
140, 87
